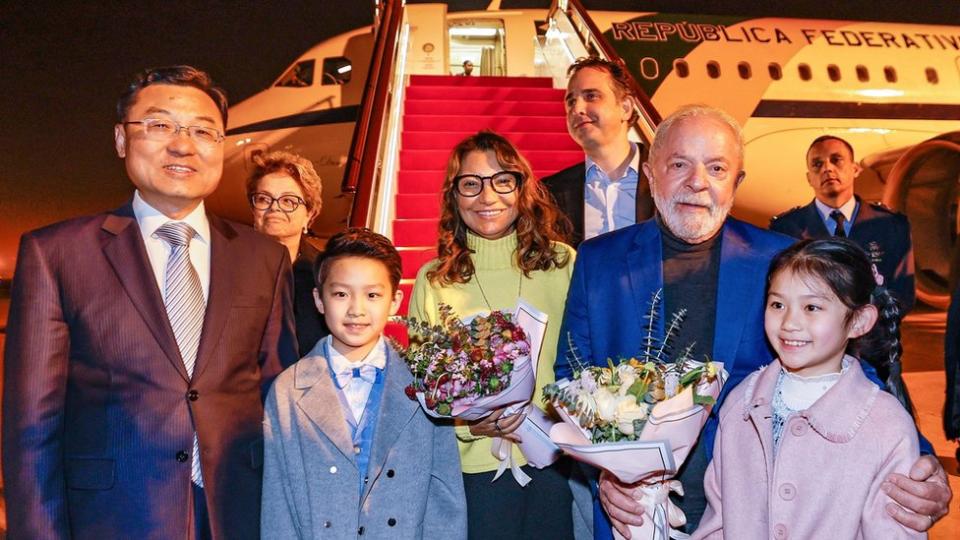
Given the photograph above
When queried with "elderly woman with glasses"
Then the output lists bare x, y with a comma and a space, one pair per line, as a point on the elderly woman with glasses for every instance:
284, 193
499, 240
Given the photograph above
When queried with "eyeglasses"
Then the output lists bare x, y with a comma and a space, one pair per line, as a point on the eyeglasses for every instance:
503, 182
286, 203
163, 130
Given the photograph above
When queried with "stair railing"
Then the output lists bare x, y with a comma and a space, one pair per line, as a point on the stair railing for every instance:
363, 161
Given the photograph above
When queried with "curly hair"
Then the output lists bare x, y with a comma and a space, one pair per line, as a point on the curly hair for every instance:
297, 167
845, 268
538, 223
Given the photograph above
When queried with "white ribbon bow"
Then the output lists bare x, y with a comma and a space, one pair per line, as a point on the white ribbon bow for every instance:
656, 503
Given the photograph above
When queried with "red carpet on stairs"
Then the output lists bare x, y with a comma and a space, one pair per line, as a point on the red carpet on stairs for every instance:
439, 112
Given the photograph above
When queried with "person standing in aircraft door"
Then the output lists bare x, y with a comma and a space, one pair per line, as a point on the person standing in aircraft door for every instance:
140, 341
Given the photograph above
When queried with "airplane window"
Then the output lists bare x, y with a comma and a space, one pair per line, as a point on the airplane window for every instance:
775, 72
805, 73
298, 76
743, 69
890, 74
713, 69
337, 70
833, 72
681, 67
862, 74
932, 76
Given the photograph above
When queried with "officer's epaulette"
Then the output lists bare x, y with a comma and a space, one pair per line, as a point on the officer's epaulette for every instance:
783, 214
877, 205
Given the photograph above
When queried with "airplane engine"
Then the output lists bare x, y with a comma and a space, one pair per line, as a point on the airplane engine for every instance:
924, 183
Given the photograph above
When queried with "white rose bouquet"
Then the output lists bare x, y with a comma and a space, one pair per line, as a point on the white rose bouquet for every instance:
638, 419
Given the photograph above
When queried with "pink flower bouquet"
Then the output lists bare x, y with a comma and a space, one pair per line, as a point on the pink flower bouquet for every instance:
466, 369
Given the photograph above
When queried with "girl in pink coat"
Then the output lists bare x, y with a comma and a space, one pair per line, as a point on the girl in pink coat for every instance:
805, 443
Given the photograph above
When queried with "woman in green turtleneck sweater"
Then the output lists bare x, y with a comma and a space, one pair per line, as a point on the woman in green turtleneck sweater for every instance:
499, 241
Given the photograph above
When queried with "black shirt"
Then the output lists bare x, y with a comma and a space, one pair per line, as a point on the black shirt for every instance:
690, 274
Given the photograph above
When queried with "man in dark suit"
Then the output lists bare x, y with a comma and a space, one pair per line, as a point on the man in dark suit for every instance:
139, 342
835, 210
604, 193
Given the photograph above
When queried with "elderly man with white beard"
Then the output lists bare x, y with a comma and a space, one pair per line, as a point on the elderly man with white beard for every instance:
703, 261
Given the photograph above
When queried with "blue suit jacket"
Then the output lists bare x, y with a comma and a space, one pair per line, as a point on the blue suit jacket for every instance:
616, 275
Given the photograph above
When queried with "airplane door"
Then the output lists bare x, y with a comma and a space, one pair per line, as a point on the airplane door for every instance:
482, 42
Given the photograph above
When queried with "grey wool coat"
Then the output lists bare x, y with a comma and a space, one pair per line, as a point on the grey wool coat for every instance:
311, 481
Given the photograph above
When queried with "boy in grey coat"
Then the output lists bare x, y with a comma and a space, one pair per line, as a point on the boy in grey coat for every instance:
346, 453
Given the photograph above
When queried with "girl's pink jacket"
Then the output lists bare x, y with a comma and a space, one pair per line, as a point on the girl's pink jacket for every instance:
825, 479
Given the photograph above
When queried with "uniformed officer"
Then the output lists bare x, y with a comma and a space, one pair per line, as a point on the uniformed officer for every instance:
835, 210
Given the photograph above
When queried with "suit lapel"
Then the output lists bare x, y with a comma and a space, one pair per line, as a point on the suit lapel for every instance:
645, 265
575, 195
816, 227
321, 402
396, 409
738, 277
224, 260
863, 214
125, 251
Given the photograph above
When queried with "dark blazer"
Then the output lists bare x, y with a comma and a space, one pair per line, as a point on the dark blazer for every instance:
566, 187
98, 412
310, 324
881, 232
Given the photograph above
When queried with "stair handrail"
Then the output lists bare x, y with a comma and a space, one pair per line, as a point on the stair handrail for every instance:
590, 35
363, 160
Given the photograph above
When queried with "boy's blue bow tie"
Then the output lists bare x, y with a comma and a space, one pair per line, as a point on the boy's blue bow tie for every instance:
367, 372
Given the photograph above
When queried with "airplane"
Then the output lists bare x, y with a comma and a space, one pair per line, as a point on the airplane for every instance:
890, 89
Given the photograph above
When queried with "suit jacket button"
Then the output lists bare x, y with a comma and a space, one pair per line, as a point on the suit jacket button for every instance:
182, 456
193, 395
391, 522
360, 531
390, 473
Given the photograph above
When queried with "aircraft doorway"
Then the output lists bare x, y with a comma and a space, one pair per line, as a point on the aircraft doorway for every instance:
481, 41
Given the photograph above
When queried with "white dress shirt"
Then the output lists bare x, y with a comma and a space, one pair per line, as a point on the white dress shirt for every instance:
610, 204
158, 250
849, 210
358, 391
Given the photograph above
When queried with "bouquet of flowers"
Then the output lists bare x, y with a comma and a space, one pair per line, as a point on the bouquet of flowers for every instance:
639, 418
462, 369
466, 369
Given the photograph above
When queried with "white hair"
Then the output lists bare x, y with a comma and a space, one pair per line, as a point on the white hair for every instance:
693, 111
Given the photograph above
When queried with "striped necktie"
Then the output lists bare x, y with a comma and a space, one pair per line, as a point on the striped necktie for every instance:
183, 299
838, 217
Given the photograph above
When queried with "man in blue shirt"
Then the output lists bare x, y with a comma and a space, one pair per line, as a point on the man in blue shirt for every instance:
603, 193
836, 211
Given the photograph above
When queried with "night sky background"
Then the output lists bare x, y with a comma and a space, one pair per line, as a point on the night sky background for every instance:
62, 65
